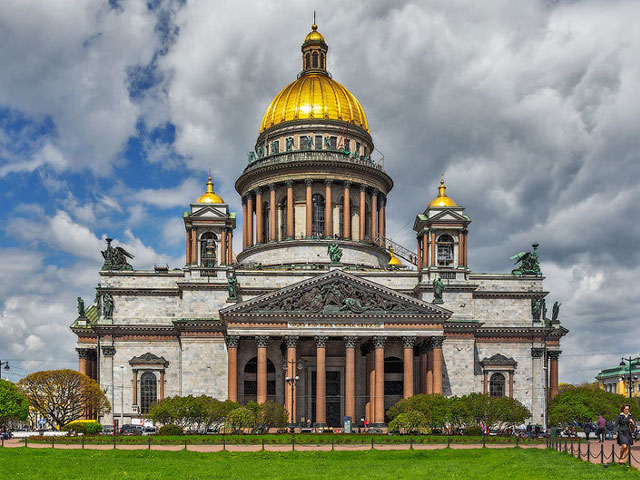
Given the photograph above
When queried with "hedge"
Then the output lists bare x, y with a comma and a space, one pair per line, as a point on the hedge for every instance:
87, 427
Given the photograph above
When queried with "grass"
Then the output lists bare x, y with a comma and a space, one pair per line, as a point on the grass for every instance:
271, 439
516, 463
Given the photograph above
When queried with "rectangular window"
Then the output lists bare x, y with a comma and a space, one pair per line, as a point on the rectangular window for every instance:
275, 146
306, 142
318, 142
364, 151
357, 150
333, 143
347, 145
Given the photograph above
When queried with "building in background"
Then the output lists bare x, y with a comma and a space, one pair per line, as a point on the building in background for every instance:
620, 379
319, 290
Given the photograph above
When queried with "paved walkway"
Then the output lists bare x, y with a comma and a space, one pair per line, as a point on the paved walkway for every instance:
595, 454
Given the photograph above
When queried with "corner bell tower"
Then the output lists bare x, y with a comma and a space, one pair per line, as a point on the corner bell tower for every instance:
441, 233
209, 226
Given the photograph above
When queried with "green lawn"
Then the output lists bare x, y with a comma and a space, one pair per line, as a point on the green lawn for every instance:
300, 439
441, 464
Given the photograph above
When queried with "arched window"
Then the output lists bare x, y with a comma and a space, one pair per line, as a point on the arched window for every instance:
208, 250
393, 372
251, 380
496, 385
322, 60
265, 222
445, 251
341, 217
148, 391
317, 216
307, 61
314, 57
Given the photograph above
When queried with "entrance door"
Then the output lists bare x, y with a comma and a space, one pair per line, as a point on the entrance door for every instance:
333, 400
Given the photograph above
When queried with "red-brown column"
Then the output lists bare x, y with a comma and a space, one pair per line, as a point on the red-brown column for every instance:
382, 220
425, 250
261, 343
134, 385
429, 369
437, 364
223, 247
259, 233
188, 243
250, 220
407, 345
272, 212
350, 377
232, 367
194, 247
378, 343
370, 381
363, 210
510, 384
328, 210
553, 373
464, 249
346, 211
460, 254
244, 223
485, 382
423, 368
230, 247
433, 249
321, 386
374, 215
309, 220
83, 353
290, 387
290, 206
419, 252
161, 384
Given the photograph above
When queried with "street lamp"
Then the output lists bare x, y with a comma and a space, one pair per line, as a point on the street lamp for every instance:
121, 395
623, 364
292, 381
6, 367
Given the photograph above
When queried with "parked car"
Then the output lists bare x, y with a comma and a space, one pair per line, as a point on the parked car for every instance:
107, 430
129, 429
149, 430
6, 435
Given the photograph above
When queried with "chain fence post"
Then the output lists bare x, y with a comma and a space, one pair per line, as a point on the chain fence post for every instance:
448, 442
579, 453
565, 445
613, 453
114, 442
262, 444
332, 444
149, 442
602, 454
82, 442
372, 440
572, 447
588, 452
25, 441
629, 449
517, 441
410, 443
484, 441
224, 444
53, 442
293, 443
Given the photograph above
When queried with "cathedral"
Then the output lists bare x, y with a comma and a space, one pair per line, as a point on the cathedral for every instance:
320, 311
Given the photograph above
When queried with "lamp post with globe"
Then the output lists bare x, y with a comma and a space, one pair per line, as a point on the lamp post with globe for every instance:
628, 377
292, 380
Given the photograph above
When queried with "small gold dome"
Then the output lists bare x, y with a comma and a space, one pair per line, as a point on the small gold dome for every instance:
314, 35
314, 96
442, 200
209, 196
393, 261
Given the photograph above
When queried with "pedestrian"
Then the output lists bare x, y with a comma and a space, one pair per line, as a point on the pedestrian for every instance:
529, 430
587, 430
624, 425
610, 429
601, 428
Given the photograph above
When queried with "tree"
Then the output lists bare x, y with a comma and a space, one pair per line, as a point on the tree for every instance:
193, 413
584, 403
435, 409
14, 405
409, 422
64, 395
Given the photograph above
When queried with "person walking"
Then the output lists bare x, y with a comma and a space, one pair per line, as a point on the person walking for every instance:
601, 428
624, 425
587, 430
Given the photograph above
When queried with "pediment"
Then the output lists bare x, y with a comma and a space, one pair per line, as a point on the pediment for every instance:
449, 215
211, 212
498, 360
148, 359
336, 294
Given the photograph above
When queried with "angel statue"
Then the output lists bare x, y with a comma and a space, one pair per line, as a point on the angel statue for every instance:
115, 258
438, 290
80, 307
529, 264
555, 311
335, 252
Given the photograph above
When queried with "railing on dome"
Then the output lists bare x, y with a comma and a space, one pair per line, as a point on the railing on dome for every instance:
311, 156
398, 249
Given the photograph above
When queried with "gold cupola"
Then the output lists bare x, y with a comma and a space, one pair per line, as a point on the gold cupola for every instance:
314, 95
209, 196
442, 200
394, 262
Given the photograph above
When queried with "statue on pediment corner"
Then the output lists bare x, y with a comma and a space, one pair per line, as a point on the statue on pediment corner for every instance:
115, 258
529, 262
80, 307
536, 309
555, 311
438, 291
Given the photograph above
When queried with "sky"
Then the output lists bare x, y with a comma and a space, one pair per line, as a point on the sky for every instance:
113, 111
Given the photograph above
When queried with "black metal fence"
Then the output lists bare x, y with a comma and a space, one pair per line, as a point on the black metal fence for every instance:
592, 454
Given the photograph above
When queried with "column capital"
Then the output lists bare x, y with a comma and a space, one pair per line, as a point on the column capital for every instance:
328, 182
363, 188
289, 183
347, 184
375, 192
379, 342
258, 191
350, 342
83, 352
308, 182
537, 352
108, 350
272, 186
554, 354
321, 341
262, 341
291, 341
232, 341
408, 342
436, 342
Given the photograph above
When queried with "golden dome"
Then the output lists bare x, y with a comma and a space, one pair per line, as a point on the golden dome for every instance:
314, 35
393, 261
442, 200
209, 196
314, 95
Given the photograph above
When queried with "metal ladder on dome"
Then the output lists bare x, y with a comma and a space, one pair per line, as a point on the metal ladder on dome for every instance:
398, 249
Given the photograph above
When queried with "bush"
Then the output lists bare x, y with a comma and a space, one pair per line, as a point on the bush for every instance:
193, 413
87, 427
170, 430
473, 430
409, 422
